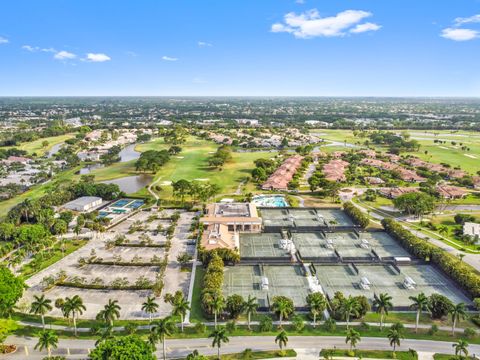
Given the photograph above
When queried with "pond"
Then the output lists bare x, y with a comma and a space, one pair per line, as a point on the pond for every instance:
128, 153
88, 168
131, 184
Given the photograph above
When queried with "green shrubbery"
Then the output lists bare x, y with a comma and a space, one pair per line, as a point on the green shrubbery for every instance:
464, 274
359, 217
212, 282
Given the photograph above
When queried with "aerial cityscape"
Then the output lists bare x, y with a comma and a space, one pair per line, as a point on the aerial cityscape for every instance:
293, 179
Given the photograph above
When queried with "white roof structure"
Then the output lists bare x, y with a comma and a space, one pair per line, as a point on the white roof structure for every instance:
471, 229
83, 203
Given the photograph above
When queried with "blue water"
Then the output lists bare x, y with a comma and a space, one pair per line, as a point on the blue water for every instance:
270, 201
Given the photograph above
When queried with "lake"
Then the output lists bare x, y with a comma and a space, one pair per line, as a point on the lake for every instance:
131, 184
128, 153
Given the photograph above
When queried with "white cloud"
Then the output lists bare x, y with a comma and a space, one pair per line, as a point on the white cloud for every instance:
204, 44
30, 48
92, 57
360, 28
301, 2
459, 34
3, 40
64, 55
467, 20
310, 24
168, 58
50, 50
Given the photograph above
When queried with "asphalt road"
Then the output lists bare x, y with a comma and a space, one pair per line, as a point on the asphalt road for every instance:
178, 348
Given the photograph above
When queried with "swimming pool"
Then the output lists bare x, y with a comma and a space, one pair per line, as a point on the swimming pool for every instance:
270, 201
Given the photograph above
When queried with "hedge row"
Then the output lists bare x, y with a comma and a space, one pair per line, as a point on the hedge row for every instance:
212, 282
359, 217
463, 274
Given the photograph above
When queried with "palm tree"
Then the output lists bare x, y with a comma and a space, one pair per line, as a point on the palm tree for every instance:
353, 337
281, 340
150, 307
74, 306
104, 334
443, 229
47, 340
461, 347
383, 303
41, 306
219, 336
217, 305
394, 336
350, 307
317, 303
250, 307
160, 330
180, 307
283, 307
420, 303
457, 312
110, 312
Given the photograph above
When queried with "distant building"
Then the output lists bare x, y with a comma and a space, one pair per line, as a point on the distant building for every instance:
83, 204
223, 221
19, 159
283, 175
451, 192
471, 229
374, 180
393, 193
251, 122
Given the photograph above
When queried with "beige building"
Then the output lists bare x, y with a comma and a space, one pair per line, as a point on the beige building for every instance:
224, 221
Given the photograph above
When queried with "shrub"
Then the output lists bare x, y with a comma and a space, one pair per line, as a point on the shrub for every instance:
359, 217
469, 332
439, 306
266, 324
433, 329
200, 328
330, 324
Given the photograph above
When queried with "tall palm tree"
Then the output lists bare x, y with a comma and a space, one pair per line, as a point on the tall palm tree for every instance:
461, 347
457, 312
110, 312
40, 306
282, 307
160, 330
250, 307
394, 336
219, 337
150, 307
353, 337
419, 303
443, 229
383, 303
350, 307
74, 306
47, 340
317, 304
217, 305
180, 308
281, 339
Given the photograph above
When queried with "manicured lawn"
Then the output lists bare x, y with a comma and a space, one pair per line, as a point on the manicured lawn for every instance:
409, 318
36, 146
372, 354
196, 313
256, 355
439, 356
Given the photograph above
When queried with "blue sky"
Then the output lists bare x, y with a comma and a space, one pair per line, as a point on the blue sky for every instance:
240, 47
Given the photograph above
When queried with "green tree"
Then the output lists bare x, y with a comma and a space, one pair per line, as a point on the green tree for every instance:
250, 307
195, 355
350, 307
110, 312
461, 347
394, 336
283, 307
317, 304
234, 305
180, 308
282, 340
219, 337
420, 304
47, 340
11, 288
458, 311
415, 203
382, 303
353, 337
150, 307
73, 307
122, 348
40, 306
217, 305
160, 330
